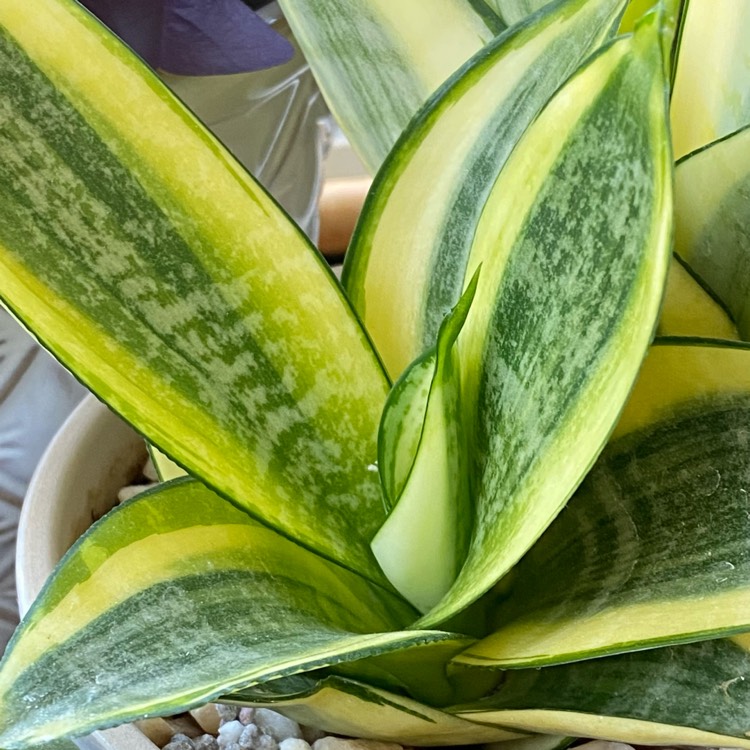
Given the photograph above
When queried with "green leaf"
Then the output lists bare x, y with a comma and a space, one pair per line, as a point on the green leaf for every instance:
401, 426
153, 265
405, 270
711, 95
697, 694
344, 706
377, 61
174, 599
560, 256
515, 11
654, 548
712, 215
423, 543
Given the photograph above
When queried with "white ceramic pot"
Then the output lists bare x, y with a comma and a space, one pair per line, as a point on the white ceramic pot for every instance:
92, 456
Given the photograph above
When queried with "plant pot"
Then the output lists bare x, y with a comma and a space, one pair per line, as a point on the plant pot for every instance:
92, 456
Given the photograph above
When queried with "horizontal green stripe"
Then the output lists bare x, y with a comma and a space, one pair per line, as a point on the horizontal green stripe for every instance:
677, 694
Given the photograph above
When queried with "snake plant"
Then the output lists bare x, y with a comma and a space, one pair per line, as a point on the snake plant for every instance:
465, 497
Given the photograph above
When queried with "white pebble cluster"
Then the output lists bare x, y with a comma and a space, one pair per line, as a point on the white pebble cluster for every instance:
263, 729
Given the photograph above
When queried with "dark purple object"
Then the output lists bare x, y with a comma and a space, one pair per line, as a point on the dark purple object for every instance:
194, 37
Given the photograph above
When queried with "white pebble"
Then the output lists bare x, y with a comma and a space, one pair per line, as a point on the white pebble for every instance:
312, 734
276, 725
247, 715
292, 743
604, 745
226, 712
265, 742
335, 743
230, 732
249, 734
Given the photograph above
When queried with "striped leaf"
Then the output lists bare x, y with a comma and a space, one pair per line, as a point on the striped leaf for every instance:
711, 95
149, 262
406, 268
560, 257
423, 543
697, 694
654, 548
712, 221
353, 708
343, 706
377, 61
174, 599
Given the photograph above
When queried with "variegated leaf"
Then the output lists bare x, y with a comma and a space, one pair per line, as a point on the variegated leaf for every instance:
377, 61
406, 266
150, 262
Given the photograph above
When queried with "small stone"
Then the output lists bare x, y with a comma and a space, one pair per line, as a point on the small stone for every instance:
265, 742
247, 715
248, 737
292, 743
207, 718
156, 729
276, 725
180, 742
230, 733
604, 745
336, 743
312, 734
226, 712
206, 742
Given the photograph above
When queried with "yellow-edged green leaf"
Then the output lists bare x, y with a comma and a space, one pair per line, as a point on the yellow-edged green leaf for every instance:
424, 673
690, 309
344, 706
174, 599
377, 61
698, 694
145, 258
406, 266
561, 255
654, 547
711, 95
712, 220
423, 542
